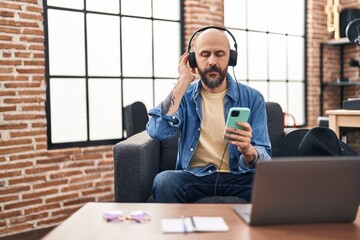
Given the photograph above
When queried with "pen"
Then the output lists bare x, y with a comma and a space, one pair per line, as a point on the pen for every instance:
193, 223
184, 224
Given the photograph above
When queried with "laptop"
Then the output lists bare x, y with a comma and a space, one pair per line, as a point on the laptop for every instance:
304, 190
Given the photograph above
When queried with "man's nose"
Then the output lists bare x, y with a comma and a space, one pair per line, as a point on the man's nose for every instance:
212, 60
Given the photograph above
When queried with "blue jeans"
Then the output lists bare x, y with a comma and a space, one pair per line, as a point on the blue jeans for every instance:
177, 186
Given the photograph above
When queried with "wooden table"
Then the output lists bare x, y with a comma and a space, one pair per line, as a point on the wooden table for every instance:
343, 118
88, 223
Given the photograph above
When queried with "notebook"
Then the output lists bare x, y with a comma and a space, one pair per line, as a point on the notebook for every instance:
304, 190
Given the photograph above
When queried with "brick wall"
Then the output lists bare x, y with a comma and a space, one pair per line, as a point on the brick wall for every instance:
39, 187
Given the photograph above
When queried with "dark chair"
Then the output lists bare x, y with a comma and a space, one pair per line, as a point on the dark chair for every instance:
139, 158
135, 118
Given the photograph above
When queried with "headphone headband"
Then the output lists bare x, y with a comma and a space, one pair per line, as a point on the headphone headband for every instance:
233, 53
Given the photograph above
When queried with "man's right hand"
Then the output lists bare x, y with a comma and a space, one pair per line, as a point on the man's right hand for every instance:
185, 72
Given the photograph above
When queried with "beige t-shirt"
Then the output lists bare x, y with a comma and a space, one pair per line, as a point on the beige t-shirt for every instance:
212, 144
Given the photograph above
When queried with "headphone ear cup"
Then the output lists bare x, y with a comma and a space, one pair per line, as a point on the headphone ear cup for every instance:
233, 58
192, 60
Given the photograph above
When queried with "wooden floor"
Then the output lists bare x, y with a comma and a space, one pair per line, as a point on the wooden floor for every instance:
32, 235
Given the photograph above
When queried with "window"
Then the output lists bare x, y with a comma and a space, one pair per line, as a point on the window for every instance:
271, 43
102, 56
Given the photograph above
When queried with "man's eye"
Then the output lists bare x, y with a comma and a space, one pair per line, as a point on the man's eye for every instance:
205, 54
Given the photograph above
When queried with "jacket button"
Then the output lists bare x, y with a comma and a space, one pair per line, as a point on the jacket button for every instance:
191, 149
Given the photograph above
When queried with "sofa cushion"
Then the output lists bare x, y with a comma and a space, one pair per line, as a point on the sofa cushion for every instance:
168, 155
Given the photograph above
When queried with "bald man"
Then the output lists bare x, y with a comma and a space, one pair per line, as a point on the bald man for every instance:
207, 165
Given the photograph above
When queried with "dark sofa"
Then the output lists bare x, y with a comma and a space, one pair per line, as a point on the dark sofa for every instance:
139, 158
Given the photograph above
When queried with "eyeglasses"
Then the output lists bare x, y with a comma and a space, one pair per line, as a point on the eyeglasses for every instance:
137, 216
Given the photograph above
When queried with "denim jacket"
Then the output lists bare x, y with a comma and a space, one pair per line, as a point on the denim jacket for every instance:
187, 120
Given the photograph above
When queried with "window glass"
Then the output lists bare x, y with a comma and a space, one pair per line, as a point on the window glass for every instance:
166, 48
277, 57
163, 87
138, 90
296, 91
105, 109
296, 49
278, 93
137, 47
295, 18
258, 57
261, 86
166, 9
235, 19
103, 42
271, 49
66, 43
68, 110
257, 15
75, 4
276, 16
108, 6
241, 67
140, 8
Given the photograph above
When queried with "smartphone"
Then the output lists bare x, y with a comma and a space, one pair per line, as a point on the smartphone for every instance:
237, 114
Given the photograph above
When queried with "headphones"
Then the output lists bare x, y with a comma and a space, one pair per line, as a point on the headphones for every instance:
233, 53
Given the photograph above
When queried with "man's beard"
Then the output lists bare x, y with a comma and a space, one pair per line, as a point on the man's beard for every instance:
212, 82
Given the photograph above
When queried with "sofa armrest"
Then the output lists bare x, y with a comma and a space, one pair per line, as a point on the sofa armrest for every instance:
136, 162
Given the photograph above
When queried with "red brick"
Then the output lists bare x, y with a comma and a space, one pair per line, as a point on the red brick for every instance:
86, 178
65, 212
96, 191
36, 47
76, 187
7, 109
15, 189
8, 214
5, 29
38, 194
6, 69
9, 198
32, 39
12, 126
45, 207
10, 62
23, 54
17, 149
34, 9
79, 201
12, 117
27, 156
6, 14
33, 108
15, 142
7, 5
17, 228
33, 179
32, 31
65, 174
28, 133
62, 198
22, 204
12, 46
52, 221
9, 174
31, 16
6, 38
51, 184
31, 70
14, 78
37, 170
28, 218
